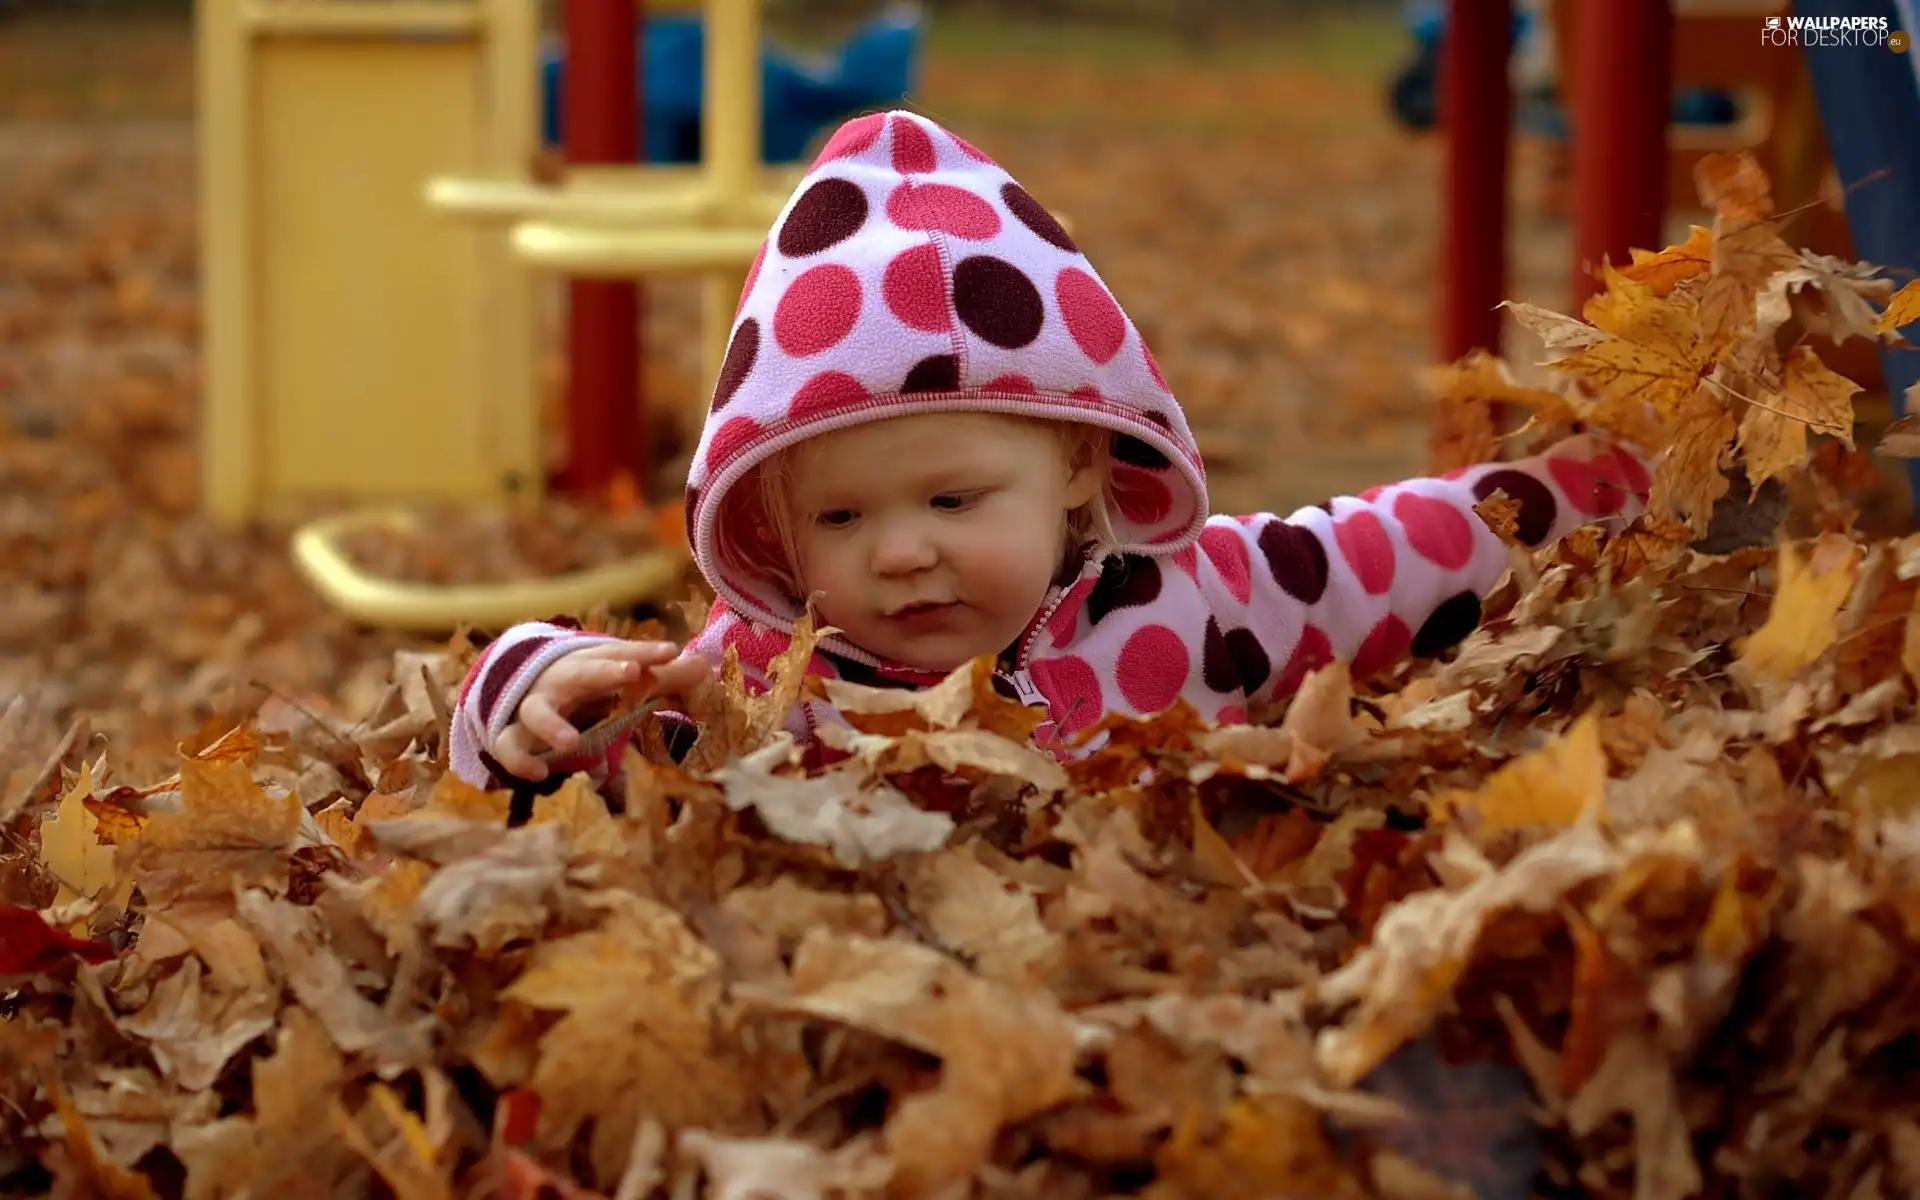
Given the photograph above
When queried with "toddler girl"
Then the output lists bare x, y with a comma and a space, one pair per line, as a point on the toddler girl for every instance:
933, 414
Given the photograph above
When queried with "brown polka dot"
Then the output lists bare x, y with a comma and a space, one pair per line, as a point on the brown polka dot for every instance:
1537, 506
742, 352
1134, 452
1297, 560
1126, 581
935, 373
997, 301
1448, 625
1034, 216
1233, 662
826, 214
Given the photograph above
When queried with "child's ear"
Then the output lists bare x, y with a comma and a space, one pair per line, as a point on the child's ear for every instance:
1083, 484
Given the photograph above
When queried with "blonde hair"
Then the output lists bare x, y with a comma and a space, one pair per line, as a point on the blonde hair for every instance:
771, 545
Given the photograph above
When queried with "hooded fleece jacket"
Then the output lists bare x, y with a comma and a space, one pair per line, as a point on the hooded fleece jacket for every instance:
908, 273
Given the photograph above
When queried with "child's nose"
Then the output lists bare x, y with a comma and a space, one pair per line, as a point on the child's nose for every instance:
902, 550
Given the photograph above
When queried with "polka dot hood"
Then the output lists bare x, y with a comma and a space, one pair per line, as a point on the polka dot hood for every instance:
910, 274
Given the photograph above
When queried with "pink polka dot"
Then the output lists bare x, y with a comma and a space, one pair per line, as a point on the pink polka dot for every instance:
912, 148
1310, 653
753, 274
818, 311
854, 137
1072, 691
1456, 473
1153, 367
1012, 383
1153, 668
1188, 561
1368, 550
915, 290
1387, 643
1373, 493
730, 439
1231, 714
1436, 530
1228, 554
1595, 488
967, 148
825, 392
1095, 321
1139, 496
942, 206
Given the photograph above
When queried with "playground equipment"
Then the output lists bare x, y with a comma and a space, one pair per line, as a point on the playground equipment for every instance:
800, 95
366, 346
1620, 59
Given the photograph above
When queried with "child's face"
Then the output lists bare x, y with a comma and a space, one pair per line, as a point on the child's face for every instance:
934, 537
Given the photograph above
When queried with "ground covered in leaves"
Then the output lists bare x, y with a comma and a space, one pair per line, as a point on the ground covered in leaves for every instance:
1618, 899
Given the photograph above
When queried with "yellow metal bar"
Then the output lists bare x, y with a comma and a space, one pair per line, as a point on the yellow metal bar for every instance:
682, 203
317, 17
228, 452
594, 251
511, 199
413, 606
392, 18
730, 123
511, 42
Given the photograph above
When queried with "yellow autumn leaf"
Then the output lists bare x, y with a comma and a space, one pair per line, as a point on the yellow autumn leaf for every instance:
1903, 308
72, 850
1661, 271
1688, 481
1651, 358
1773, 432
1800, 626
1551, 786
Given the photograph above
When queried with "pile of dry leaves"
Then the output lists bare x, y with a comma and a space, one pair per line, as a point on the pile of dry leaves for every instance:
1617, 900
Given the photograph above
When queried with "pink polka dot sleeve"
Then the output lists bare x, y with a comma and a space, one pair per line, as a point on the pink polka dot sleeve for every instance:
1402, 569
1263, 600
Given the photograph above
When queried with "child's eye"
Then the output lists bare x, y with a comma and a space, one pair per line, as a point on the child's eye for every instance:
835, 518
956, 501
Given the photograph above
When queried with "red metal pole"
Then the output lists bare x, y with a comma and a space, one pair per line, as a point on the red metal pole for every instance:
1623, 97
1475, 113
600, 107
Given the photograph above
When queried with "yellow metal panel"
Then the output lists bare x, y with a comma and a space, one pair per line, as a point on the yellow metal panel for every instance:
227, 466
370, 351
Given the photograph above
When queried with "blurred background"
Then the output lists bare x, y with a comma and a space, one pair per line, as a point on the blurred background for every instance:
1257, 180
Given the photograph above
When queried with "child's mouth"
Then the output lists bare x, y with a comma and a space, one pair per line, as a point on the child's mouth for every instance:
922, 613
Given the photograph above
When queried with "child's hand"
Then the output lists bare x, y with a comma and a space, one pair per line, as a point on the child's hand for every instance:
577, 679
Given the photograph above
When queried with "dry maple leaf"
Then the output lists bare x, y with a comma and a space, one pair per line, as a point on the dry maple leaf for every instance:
227, 834
858, 821
641, 1036
1773, 431
1501, 512
918, 996
1553, 786
1901, 439
1800, 626
1903, 308
286, 1145
1663, 270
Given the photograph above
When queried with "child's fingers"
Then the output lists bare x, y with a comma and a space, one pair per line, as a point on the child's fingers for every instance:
513, 750
544, 721
578, 677
680, 674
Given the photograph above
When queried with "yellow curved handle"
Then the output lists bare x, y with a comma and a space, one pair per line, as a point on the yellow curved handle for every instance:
433, 607
590, 250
